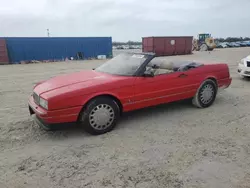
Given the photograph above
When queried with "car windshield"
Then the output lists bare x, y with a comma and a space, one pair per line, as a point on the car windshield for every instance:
124, 64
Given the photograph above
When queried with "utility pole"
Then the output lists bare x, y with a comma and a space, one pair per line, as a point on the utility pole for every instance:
48, 33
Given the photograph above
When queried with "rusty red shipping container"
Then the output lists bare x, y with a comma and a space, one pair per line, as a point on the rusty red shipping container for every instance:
166, 46
4, 58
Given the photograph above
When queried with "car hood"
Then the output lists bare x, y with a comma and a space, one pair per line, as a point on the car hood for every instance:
91, 77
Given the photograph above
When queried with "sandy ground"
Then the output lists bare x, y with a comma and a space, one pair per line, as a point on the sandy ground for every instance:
173, 145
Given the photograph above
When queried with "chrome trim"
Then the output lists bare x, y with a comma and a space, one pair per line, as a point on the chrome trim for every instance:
207, 94
225, 79
50, 117
150, 99
101, 117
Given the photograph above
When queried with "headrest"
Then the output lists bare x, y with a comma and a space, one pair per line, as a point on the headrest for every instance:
167, 65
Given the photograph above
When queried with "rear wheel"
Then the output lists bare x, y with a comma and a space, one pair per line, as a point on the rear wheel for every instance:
206, 94
100, 115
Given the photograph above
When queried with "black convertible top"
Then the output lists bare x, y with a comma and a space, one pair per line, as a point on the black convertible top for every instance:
174, 65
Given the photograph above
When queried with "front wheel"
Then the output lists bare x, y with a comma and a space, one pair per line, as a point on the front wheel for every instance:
206, 94
203, 47
100, 115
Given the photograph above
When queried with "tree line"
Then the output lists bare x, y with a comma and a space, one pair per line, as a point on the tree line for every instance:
127, 43
228, 39
232, 39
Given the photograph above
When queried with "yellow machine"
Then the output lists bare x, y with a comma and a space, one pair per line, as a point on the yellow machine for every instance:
204, 43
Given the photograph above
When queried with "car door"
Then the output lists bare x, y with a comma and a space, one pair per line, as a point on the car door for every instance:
163, 88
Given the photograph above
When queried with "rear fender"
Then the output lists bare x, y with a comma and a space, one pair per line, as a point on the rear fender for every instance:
211, 77
219, 74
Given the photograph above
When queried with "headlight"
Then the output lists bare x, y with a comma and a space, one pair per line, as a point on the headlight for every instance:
43, 103
242, 61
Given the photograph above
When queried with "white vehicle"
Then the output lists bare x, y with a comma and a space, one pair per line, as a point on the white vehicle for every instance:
244, 67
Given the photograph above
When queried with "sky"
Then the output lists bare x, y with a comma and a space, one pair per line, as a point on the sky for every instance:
124, 20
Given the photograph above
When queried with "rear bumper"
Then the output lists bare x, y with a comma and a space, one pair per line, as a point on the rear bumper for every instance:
224, 83
47, 119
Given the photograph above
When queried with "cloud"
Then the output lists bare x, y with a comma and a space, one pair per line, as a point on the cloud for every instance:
124, 19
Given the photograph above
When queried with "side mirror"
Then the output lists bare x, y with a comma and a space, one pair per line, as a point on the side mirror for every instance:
148, 73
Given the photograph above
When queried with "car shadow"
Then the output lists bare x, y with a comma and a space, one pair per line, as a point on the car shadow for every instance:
155, 111
246, 79
62, 131
127, 118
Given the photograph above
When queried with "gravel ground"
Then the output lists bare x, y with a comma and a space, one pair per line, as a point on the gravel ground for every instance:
173, 145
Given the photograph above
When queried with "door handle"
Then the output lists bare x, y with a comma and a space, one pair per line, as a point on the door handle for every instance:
182, 75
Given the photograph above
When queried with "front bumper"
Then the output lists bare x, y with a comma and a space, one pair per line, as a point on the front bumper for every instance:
41, 123
48, 120
243, 70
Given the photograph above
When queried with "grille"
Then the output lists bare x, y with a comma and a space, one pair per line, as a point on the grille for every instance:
248, 63
36, 98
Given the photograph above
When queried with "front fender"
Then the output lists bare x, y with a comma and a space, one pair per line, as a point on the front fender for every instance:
85, 100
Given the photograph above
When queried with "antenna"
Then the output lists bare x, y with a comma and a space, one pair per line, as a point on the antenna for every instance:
48, 33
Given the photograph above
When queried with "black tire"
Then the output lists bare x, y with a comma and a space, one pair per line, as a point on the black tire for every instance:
203, 47
89, 113
198, 99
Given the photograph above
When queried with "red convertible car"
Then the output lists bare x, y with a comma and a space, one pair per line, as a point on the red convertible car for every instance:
96, 98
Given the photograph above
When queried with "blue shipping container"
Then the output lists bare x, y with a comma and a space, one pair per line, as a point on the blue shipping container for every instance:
56, 48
